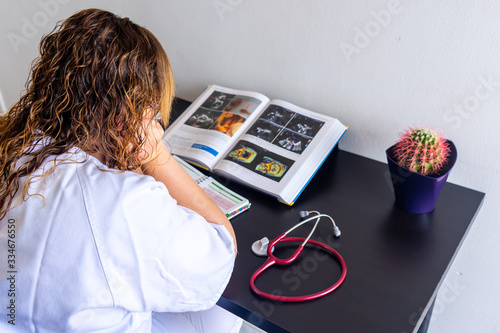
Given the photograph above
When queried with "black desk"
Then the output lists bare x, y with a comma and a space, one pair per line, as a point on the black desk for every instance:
396, 261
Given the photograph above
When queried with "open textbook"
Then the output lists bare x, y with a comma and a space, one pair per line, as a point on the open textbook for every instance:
271, 145
231, 203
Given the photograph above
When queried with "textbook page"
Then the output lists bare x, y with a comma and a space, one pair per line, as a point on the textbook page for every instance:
282, 150
230, 202
213, 123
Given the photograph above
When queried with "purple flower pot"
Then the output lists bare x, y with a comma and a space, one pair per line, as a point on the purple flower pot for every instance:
414, 192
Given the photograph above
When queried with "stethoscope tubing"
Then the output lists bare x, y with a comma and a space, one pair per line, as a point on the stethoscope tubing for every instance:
271, 260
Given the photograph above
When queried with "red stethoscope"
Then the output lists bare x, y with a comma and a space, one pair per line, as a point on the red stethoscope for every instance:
265, 247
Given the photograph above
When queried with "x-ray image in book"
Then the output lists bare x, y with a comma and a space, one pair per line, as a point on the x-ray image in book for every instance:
271, 145
230, 202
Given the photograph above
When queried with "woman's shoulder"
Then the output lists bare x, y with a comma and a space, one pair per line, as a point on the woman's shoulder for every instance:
95, 175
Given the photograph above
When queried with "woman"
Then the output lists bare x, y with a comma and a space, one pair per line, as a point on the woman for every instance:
99, 226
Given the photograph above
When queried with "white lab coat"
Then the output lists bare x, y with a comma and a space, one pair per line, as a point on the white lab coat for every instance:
102, 250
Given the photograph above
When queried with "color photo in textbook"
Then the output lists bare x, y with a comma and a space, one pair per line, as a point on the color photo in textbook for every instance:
285, 129
259, 160
223, 112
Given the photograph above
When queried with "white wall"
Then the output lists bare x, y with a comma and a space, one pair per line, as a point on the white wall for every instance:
379, 66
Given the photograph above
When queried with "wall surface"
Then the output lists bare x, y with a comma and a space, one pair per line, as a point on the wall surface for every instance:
379, 66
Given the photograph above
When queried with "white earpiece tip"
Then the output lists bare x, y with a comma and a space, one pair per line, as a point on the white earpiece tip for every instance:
336, 231
303, 213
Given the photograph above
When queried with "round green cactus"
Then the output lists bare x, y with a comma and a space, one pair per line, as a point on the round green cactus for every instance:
421, 150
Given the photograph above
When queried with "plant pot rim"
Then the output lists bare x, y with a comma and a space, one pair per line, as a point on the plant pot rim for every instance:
452, 158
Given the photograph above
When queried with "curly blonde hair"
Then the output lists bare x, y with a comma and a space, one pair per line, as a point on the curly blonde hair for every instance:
96, 77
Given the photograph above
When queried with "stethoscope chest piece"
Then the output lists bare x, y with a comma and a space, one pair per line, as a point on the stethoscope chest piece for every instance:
259, 247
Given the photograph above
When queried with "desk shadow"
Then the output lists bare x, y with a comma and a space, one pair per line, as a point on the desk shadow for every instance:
408, 229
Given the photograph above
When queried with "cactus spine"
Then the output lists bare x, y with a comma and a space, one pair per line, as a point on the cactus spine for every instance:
421, 150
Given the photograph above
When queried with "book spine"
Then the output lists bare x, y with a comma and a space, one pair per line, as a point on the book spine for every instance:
319, 166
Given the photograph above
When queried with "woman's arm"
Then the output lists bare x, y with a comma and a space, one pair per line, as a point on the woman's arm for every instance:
164, 168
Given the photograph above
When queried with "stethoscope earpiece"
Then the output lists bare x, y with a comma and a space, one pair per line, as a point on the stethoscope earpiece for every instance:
336, 231
303, 214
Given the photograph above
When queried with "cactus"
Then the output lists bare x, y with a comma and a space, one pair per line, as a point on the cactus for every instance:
421, 150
